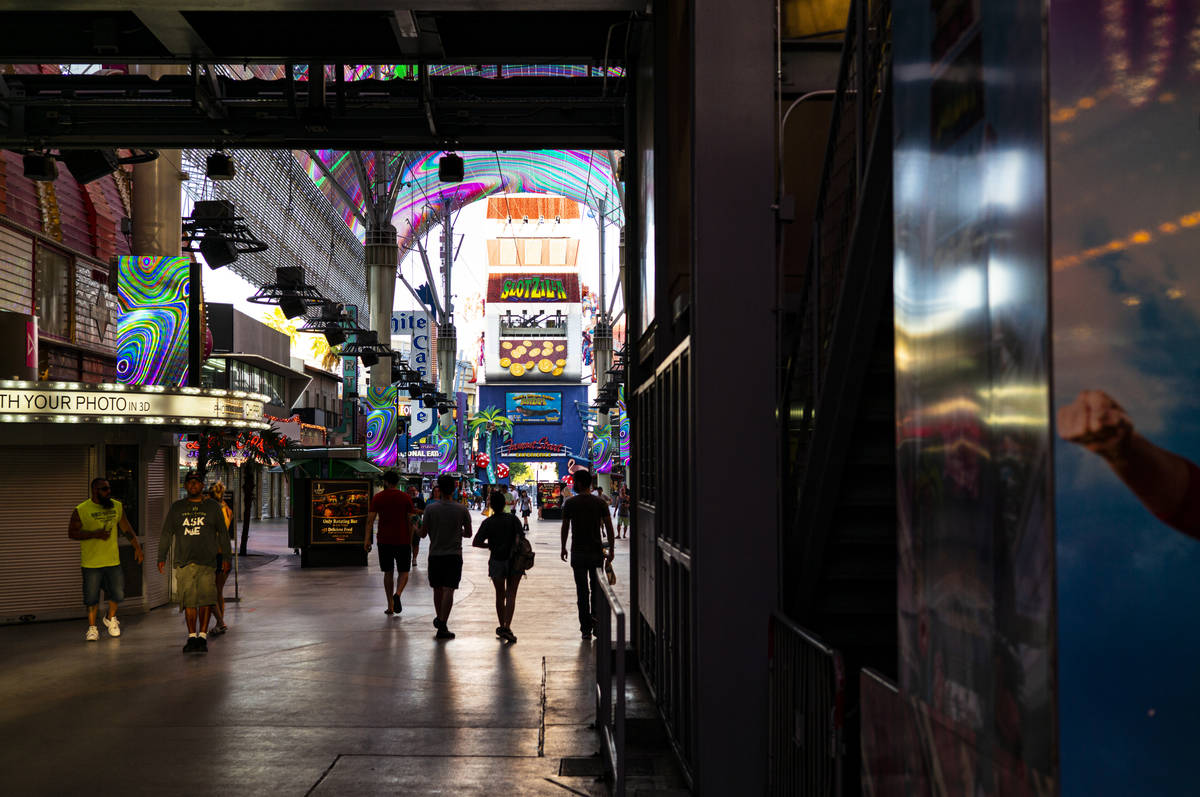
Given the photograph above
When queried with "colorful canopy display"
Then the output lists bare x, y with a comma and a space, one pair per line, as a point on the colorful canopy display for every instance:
582, 175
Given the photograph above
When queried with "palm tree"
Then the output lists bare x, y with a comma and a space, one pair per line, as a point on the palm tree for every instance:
484, 424
255, 449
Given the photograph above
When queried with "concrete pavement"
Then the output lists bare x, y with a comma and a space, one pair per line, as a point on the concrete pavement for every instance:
314, 690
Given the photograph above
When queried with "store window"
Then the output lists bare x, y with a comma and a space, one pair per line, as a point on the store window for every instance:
213, 374
53, 291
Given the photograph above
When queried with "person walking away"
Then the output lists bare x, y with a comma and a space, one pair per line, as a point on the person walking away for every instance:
583, 514
526, 509
217, 493
446, 523
195, 526
623, 512
414, 494
394, 509
499, 534
95, 523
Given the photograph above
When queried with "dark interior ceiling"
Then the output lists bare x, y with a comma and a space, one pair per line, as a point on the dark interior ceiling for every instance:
346, 35
208, 108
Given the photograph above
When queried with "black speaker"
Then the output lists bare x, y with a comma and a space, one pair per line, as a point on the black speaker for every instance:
292, 306
369, 358
450, 168
40, 168
219, 166
217, 250
334, 336
87, 165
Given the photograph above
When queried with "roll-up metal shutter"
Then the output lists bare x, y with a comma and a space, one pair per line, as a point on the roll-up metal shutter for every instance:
157, 474
16, 271
39, 564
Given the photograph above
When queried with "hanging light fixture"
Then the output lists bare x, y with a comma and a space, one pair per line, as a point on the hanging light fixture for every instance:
333, 323
215, 231
366, 347
290, 292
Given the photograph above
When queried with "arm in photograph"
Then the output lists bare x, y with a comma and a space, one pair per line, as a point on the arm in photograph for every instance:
1160, 479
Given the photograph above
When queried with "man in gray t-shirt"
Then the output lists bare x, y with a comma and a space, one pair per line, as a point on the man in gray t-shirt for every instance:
446, 522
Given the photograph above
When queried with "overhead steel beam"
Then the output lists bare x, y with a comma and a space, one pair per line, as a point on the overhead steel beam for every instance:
475, 113
174, 32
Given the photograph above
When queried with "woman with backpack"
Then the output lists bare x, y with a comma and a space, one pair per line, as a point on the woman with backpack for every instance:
500, 533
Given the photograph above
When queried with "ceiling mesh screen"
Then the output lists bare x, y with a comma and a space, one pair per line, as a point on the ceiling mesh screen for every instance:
297, 237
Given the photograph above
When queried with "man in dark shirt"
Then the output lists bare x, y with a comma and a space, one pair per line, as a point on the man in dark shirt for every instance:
446, 522
586, 513
195, 526
393, 508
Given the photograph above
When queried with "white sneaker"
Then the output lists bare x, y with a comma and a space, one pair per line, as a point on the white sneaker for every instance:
93, 634
113, 626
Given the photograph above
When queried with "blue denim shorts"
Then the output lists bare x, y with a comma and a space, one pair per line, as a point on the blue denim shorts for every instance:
112, 579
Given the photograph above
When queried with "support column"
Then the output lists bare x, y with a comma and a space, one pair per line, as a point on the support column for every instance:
732, 110
382, 255
447, 346
602, 343
602, 346
156, 206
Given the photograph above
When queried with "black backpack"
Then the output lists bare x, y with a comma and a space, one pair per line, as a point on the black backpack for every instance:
522, 553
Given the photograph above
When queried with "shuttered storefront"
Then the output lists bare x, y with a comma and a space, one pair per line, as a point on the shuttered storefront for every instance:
157, 503
16, 271
39, 564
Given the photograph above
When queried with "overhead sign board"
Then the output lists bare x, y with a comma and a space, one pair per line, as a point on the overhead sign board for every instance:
561, 288
74, 402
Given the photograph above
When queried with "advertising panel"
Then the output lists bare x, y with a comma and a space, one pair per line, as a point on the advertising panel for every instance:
1126, 315
152, 325
529, 408
418, 328
72, 402
381, 425
533, 288
339, 511
534, 358
975, 536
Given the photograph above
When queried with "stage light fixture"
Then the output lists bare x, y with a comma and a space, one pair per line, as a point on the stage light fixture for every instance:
219, 166
292, 305
290, 292
217, 250
40, 167
214, 230
450, 168
88, 165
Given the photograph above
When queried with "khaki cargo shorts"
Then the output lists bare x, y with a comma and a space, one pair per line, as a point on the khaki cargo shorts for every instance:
197, 585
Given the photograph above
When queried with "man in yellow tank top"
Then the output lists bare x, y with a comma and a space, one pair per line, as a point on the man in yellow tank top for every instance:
95, 523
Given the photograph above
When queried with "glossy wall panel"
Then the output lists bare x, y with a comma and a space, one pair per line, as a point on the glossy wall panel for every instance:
975, 600
1125, 188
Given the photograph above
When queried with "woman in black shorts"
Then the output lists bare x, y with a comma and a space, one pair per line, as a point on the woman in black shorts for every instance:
526, 508
498, 534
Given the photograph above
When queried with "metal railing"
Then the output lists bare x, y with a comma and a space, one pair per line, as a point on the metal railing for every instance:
610, 713
807, 684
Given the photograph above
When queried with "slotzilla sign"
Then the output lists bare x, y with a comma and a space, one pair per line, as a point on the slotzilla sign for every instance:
542, 288
74, 402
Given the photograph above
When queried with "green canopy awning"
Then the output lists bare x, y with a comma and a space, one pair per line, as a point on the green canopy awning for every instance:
337, 468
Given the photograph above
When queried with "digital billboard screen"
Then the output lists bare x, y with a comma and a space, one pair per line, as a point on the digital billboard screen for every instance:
533, 408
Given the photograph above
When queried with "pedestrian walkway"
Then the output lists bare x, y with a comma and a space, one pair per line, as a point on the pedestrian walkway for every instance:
314, 690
